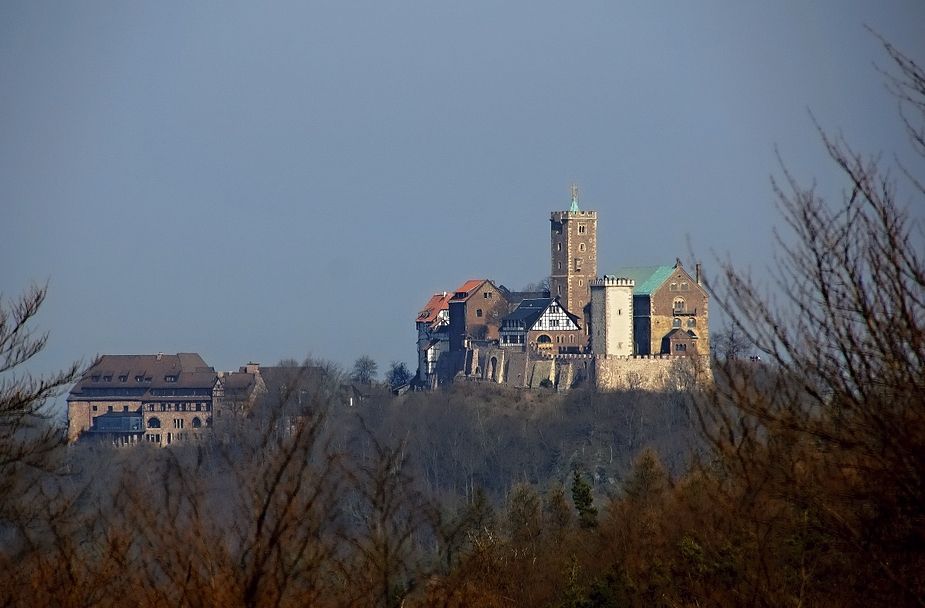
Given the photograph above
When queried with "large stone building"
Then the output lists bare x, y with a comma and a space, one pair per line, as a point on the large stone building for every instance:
629, 328
667, 298
573, 243
159, 399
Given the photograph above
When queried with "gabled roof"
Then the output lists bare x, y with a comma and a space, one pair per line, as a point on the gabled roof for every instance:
681, 333
647, 278
468, 288
530, 310
437, 303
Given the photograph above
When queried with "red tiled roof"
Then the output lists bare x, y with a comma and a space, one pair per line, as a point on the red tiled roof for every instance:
468, 288
437, 302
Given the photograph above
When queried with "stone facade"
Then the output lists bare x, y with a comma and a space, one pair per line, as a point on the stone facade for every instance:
175, 395
679, 303
573, 247
532, 369
476, 310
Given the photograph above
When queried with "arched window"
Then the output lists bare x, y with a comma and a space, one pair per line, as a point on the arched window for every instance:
692, 322
581, 246
197, 423
678, 305
676, 323
544, 339
154, 423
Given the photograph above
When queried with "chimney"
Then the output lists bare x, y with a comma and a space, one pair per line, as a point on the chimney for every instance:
160, 356
697, 273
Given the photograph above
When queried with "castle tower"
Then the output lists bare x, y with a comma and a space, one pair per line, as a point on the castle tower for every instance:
573, 239
612, 316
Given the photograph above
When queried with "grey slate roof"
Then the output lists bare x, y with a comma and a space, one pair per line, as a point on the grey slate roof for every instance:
145, 372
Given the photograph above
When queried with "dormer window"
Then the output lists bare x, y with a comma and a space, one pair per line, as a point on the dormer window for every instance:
95, 377
170, 378
107, 378
123, 378
139, 378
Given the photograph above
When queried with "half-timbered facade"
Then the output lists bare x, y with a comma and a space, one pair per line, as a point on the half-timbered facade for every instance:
542, 324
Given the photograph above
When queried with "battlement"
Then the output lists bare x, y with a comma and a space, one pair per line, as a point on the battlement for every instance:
561, 216
611, 281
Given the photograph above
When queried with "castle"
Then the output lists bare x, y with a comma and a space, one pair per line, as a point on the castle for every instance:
635, 328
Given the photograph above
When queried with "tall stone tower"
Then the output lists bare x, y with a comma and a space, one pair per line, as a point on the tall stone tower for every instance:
612, 316
573, 239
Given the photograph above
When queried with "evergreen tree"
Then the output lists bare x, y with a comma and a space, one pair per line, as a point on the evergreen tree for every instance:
584, 502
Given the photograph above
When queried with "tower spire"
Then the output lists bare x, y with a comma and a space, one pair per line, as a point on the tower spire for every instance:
574, 206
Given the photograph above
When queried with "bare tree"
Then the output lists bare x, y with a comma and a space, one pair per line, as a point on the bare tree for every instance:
28, 440
838, 428
364, 370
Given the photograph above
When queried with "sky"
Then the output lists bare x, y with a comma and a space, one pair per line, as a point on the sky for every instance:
260, 180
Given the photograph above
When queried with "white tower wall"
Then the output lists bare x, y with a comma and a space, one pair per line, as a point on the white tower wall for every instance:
612, 316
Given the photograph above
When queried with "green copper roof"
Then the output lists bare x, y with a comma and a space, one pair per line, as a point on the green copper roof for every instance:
574, 208
648, 278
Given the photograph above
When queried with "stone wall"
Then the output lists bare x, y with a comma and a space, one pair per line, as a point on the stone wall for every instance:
528, 369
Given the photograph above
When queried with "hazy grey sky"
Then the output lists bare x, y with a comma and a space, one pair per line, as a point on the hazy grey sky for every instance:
258, 180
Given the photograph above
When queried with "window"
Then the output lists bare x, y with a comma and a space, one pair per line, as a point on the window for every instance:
581, 246
673, 287
197, 423
487, 295
94, 408
692, 322
581, 228
680, 348
571, 339
558, 246
478, 312
123, 378
95, 377
154, 423
178, 423
107, 378
554, 322
685, 287
578, 264
139, 378
559, 288
110, 408
558, 265
678, 305
676, 323
170, 378
124, 408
